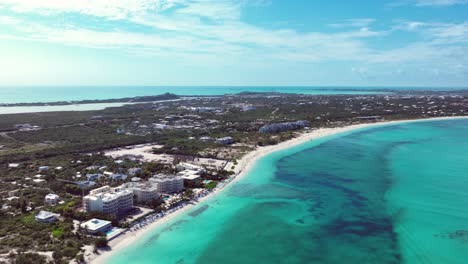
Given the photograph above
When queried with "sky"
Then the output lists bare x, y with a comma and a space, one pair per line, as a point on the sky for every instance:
234, 42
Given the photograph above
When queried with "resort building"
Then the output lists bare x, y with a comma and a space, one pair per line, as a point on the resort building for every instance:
95, 226
191, 180
51, 199
168, 183
46, 217
188, 166
225, 140
190, 173
114, 201
143, 191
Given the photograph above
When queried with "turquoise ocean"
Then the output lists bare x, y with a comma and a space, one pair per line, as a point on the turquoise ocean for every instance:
386, 194
77, 93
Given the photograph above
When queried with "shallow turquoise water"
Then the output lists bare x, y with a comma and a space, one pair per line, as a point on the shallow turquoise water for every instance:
391, 194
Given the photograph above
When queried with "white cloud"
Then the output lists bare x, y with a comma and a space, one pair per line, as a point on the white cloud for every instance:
216, 10
440, 2
9, 20
213, 29
427, 3
356, 22
111, 9
185, 32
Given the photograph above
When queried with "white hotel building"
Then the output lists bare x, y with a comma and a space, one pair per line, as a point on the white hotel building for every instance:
168, 183
143, 191
108, 200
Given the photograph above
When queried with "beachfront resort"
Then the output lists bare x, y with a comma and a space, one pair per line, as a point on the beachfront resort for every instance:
83, 182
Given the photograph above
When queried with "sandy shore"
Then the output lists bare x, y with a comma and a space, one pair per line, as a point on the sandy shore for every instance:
244, 166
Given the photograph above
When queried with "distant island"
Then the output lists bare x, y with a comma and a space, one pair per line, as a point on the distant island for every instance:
139, 99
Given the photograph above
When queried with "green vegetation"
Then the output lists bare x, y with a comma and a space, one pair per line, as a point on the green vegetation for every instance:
28, 258
100, 243
74, 141
57, 232
211, 185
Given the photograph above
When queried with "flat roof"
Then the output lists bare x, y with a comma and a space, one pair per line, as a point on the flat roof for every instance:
190, 177
95, 224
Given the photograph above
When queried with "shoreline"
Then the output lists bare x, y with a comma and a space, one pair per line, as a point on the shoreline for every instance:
75, 107
245, 164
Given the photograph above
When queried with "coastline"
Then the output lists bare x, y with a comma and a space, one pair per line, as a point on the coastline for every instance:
8, 110
245, 164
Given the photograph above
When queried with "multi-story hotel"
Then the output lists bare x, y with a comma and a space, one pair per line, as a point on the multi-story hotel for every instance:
108, 200
143, 191
168, 183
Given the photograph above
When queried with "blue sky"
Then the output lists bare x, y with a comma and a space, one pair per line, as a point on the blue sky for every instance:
234, 42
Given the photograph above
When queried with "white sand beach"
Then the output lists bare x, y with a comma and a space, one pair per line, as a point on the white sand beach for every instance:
242, 169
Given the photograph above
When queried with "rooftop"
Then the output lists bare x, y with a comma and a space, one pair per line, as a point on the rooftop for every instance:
43, 215
190, 177
106, 193
95, 224
51, 196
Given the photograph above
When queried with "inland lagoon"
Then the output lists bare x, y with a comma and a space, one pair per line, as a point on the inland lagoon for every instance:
387, 194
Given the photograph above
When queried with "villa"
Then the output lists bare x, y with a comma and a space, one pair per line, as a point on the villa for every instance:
93, 177
117, 177
95, 226
46, 217
51, 199
225, 140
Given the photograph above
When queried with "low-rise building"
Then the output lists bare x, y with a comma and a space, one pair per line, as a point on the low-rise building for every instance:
39, 180
43, 168
86, 184
94, 176
135, 179
191, 180
13, 165
46, 217
188, 166
205, 139
118, 176
225, 140
107, 200
96, 226
51, 199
